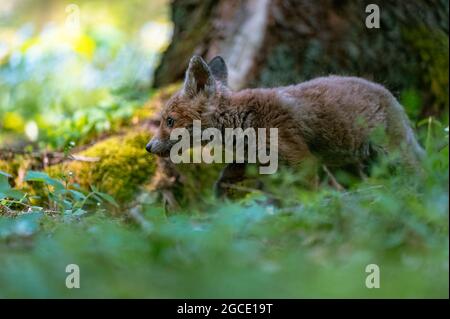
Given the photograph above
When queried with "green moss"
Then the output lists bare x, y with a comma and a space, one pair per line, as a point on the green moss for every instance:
17, 167
123, 165
6, 167
412, 101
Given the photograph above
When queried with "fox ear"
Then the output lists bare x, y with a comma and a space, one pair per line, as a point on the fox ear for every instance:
219, 69
199, 78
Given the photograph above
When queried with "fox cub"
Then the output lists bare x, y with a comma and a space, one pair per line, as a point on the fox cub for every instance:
328, 119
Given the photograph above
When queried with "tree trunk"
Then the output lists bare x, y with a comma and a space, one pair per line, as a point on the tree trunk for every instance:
276, 42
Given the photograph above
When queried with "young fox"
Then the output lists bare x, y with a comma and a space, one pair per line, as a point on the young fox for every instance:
330, 119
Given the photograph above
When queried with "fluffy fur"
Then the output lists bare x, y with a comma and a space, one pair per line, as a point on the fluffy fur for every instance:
331, 119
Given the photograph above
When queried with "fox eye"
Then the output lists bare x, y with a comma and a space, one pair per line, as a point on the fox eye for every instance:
170, 121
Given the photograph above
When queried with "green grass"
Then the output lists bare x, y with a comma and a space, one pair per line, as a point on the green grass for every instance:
316, 247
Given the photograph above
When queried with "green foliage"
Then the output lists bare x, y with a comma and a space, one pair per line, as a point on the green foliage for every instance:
123, 165
75, 85
69, 109
412, 102
312, 244
61, 196
5, 188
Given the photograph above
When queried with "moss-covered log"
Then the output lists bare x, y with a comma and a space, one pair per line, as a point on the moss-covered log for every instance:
120, 166
123, 165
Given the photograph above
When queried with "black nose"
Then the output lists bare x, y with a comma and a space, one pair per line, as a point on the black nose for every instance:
149, 147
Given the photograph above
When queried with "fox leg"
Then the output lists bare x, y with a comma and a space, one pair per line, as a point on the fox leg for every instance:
231, 174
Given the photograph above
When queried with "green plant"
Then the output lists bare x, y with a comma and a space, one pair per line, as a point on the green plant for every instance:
61, 196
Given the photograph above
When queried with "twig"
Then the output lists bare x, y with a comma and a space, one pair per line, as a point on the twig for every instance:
82, 158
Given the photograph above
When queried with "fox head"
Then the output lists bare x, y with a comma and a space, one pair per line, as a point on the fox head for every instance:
204, 86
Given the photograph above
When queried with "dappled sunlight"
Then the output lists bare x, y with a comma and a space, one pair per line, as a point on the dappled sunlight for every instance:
64, 71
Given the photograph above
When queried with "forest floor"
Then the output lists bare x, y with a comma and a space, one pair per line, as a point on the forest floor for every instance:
311, 244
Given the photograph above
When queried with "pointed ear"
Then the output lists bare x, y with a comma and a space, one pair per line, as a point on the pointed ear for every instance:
199, 78
219, 69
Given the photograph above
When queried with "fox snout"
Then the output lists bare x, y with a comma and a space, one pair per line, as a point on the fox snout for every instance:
148, 148
158, 147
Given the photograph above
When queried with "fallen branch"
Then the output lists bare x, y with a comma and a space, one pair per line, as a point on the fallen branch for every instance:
82, 158
47, 158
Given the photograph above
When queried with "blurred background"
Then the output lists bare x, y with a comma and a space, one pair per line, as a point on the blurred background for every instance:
81, 84
69, 69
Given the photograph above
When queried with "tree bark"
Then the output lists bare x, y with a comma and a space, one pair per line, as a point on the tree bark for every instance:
281, 42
